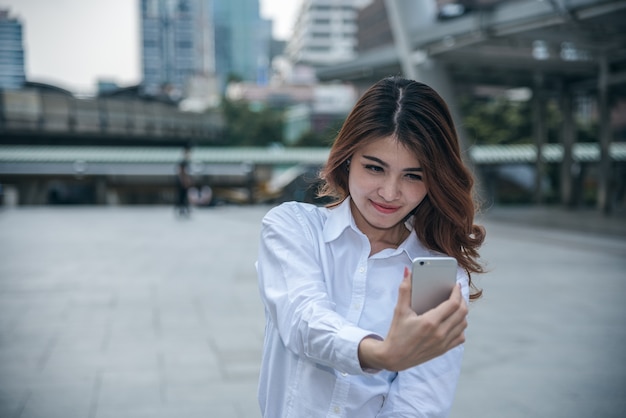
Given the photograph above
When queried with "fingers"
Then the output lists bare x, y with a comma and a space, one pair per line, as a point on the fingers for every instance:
451, 318
450, 306
404, 292
413, 339
458, 306
455, 337
456, 322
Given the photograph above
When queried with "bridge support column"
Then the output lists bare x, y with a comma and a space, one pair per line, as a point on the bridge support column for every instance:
539, 132
32, 192
100, 191
418, 66
568, 138
604, 122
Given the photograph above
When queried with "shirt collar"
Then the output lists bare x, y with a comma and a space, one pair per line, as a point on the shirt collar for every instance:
339, 218
412, 246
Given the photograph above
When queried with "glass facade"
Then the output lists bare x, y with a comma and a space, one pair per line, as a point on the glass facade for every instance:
242, 41
12, 75
174, 46
182, 39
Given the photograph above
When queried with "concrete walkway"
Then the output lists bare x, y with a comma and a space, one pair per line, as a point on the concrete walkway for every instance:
130, 312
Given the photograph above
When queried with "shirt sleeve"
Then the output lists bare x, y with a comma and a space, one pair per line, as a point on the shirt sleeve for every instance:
293, 290
427, 390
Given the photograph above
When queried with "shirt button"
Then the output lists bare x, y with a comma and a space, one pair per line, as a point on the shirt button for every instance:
336, 410
362, 270
357, 306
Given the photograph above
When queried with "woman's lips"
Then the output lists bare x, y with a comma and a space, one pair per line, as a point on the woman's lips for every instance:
384, 208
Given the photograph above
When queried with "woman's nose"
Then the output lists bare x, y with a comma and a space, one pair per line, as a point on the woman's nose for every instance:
389, 190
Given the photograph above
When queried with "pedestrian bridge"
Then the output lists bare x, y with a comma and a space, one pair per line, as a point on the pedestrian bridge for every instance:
145, 160
143, 173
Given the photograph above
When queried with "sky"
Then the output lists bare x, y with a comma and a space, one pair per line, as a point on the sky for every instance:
106, 35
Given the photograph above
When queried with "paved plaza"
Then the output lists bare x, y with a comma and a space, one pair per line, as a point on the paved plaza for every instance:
130, 312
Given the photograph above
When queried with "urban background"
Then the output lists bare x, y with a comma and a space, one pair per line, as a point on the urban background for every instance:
113, 305
537, 89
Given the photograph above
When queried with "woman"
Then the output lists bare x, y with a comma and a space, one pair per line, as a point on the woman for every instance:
341, 338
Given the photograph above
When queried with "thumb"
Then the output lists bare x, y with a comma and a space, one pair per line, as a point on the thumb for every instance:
404, 292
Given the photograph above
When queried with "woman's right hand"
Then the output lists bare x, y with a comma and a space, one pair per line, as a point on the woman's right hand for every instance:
414, 339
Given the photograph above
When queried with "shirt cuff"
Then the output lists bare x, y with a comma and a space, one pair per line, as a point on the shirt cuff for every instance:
347, 348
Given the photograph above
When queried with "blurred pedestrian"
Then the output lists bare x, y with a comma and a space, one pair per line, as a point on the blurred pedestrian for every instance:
183, 183
341, 337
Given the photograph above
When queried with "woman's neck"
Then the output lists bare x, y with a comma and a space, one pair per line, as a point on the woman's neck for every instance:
389, 239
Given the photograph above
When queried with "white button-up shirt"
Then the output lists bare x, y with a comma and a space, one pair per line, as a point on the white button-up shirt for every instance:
323, 293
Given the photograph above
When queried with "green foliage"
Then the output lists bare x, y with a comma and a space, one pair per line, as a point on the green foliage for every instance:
247, 127
587, 132
500, 121
309, 139
554, 122
497, 121
234, 78
325, 139
487, 121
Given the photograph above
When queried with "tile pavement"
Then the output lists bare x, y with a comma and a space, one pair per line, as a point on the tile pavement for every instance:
132, 312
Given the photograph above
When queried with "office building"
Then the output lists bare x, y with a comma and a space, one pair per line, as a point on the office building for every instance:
12, 75
177, 45
199, 45
325, 32
242, 42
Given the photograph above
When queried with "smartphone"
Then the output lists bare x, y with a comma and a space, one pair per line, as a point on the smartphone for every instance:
432, 281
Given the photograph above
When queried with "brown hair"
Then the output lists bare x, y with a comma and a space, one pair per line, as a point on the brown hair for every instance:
419, 119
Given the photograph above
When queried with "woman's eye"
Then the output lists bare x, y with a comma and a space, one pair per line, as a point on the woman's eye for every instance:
374, 168
415, 177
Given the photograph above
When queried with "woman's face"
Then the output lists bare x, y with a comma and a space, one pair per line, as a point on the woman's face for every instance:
385, 183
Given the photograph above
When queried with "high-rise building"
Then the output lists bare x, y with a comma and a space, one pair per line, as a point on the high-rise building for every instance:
12, 75
325, 32
189, 43
177, 45
242, 41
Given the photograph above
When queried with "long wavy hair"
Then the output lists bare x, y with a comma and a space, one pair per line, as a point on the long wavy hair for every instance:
418, 118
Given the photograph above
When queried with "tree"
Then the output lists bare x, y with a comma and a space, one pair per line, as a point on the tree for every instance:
324, 139
246, 126
501, 121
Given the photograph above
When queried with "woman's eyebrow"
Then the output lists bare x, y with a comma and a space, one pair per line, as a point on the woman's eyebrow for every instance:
384, 164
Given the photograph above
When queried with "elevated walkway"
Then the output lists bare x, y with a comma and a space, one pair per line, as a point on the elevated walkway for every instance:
509, 43
256, 171
22, 158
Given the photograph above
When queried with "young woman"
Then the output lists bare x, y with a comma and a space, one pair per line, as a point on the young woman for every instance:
341, 337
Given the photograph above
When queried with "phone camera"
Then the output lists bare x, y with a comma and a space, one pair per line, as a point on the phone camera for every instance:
421, 263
